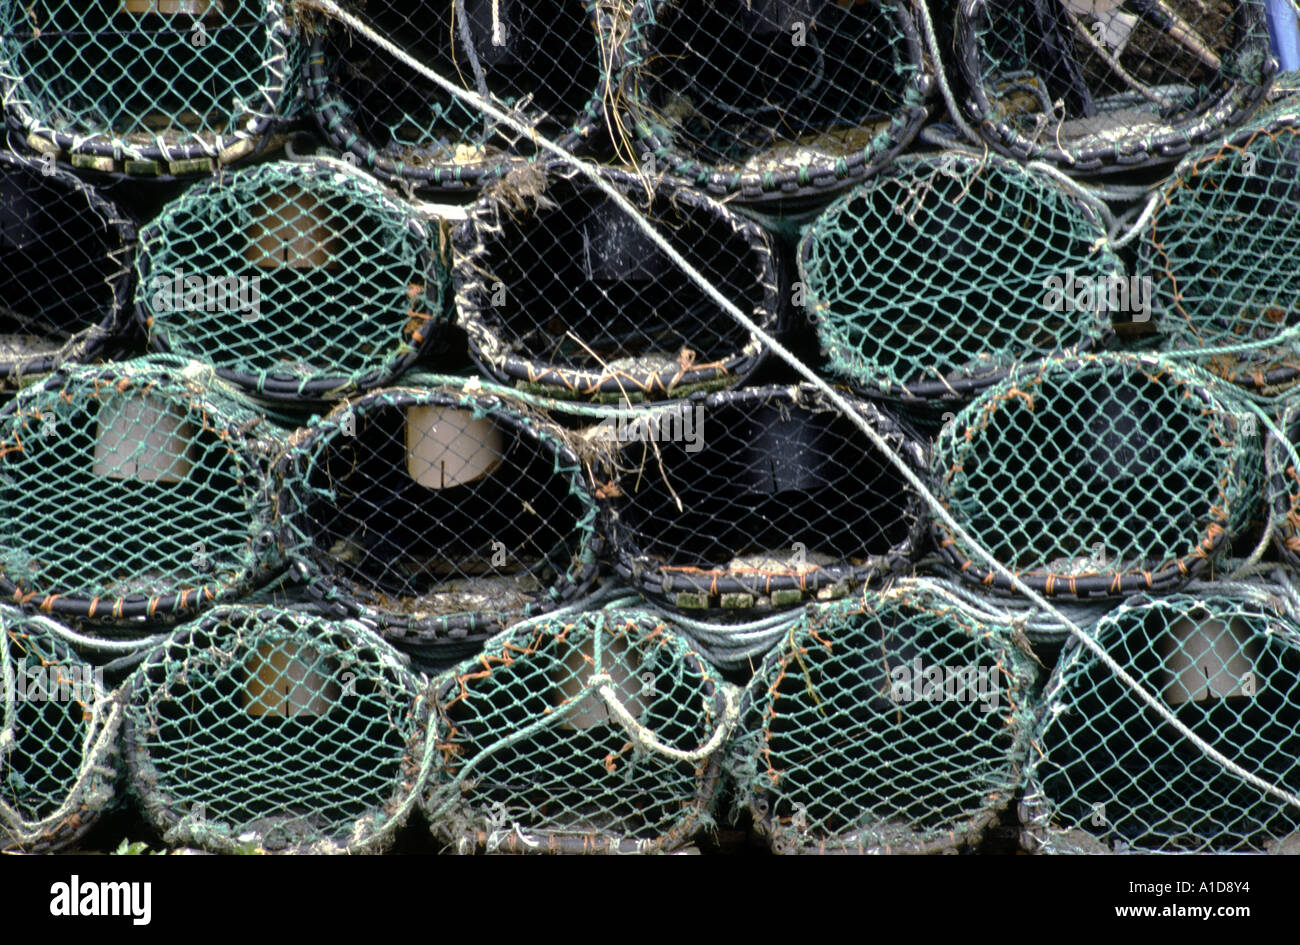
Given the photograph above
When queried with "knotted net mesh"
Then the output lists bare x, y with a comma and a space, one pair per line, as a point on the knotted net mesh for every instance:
294, 280
266, 730
558, 291
152, 87
58, 737
599, 732
133, 491
893, 722
1107, 774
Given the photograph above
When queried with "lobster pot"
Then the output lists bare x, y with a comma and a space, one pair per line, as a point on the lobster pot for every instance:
148, 87
770, 99
539, 59
569, 296
65, 268
1110, 774
1098, 86
132, 493
1220, 252
536, 760
1284, 486
441, 514
1097, 476
892, 723
932, 279
757, 498
59, 730
268, 730
296, 281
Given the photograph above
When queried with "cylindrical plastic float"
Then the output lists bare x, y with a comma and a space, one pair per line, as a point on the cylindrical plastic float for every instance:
770, 99
933, 279
58, 737
563, 292
296, 281
540, 59
1102, 475
441, 514
756, 499
148, 87
892, 723
66, 258
1097, 87
133, 492
268, 730
1110, 774
595, 733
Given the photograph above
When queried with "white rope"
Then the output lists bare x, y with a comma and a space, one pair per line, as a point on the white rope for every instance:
592, 173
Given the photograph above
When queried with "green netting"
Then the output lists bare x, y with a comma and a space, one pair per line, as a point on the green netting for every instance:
133, 492
769, 98
152, 87
597, 733
892, 723
1109, 774
266, 730
1221, 250
57, 737
65, 268
935, 277
440, 513
1099, 475
294, 280
558, 290
1284, 484
756, 499
1094, 87
541, 60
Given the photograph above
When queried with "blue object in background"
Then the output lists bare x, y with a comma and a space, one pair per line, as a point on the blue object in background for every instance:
1284, 34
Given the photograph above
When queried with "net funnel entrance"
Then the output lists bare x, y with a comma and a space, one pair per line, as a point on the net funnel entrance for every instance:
149, 87
541, 60
1110, 775
295, 281
267, 730
934, 278
1221, 250
65, 268
535, 759
1098, 476
892, 723
757, 498
441, 514
132, 493
58, 737
1098, 86
773, 98
558, 290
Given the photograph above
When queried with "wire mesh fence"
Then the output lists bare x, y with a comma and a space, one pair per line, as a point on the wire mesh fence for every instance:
133, 492
756, 499
1096, 86
770, 98
1109, 775
58, 748
558, 290
543, 60
441, 513
596, 733
895, 722
148, 87
1102, 475
934, 278
1220, 250
66, 256
295, 280
265, 730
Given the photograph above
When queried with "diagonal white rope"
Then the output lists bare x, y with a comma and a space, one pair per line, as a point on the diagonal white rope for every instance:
592, 173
